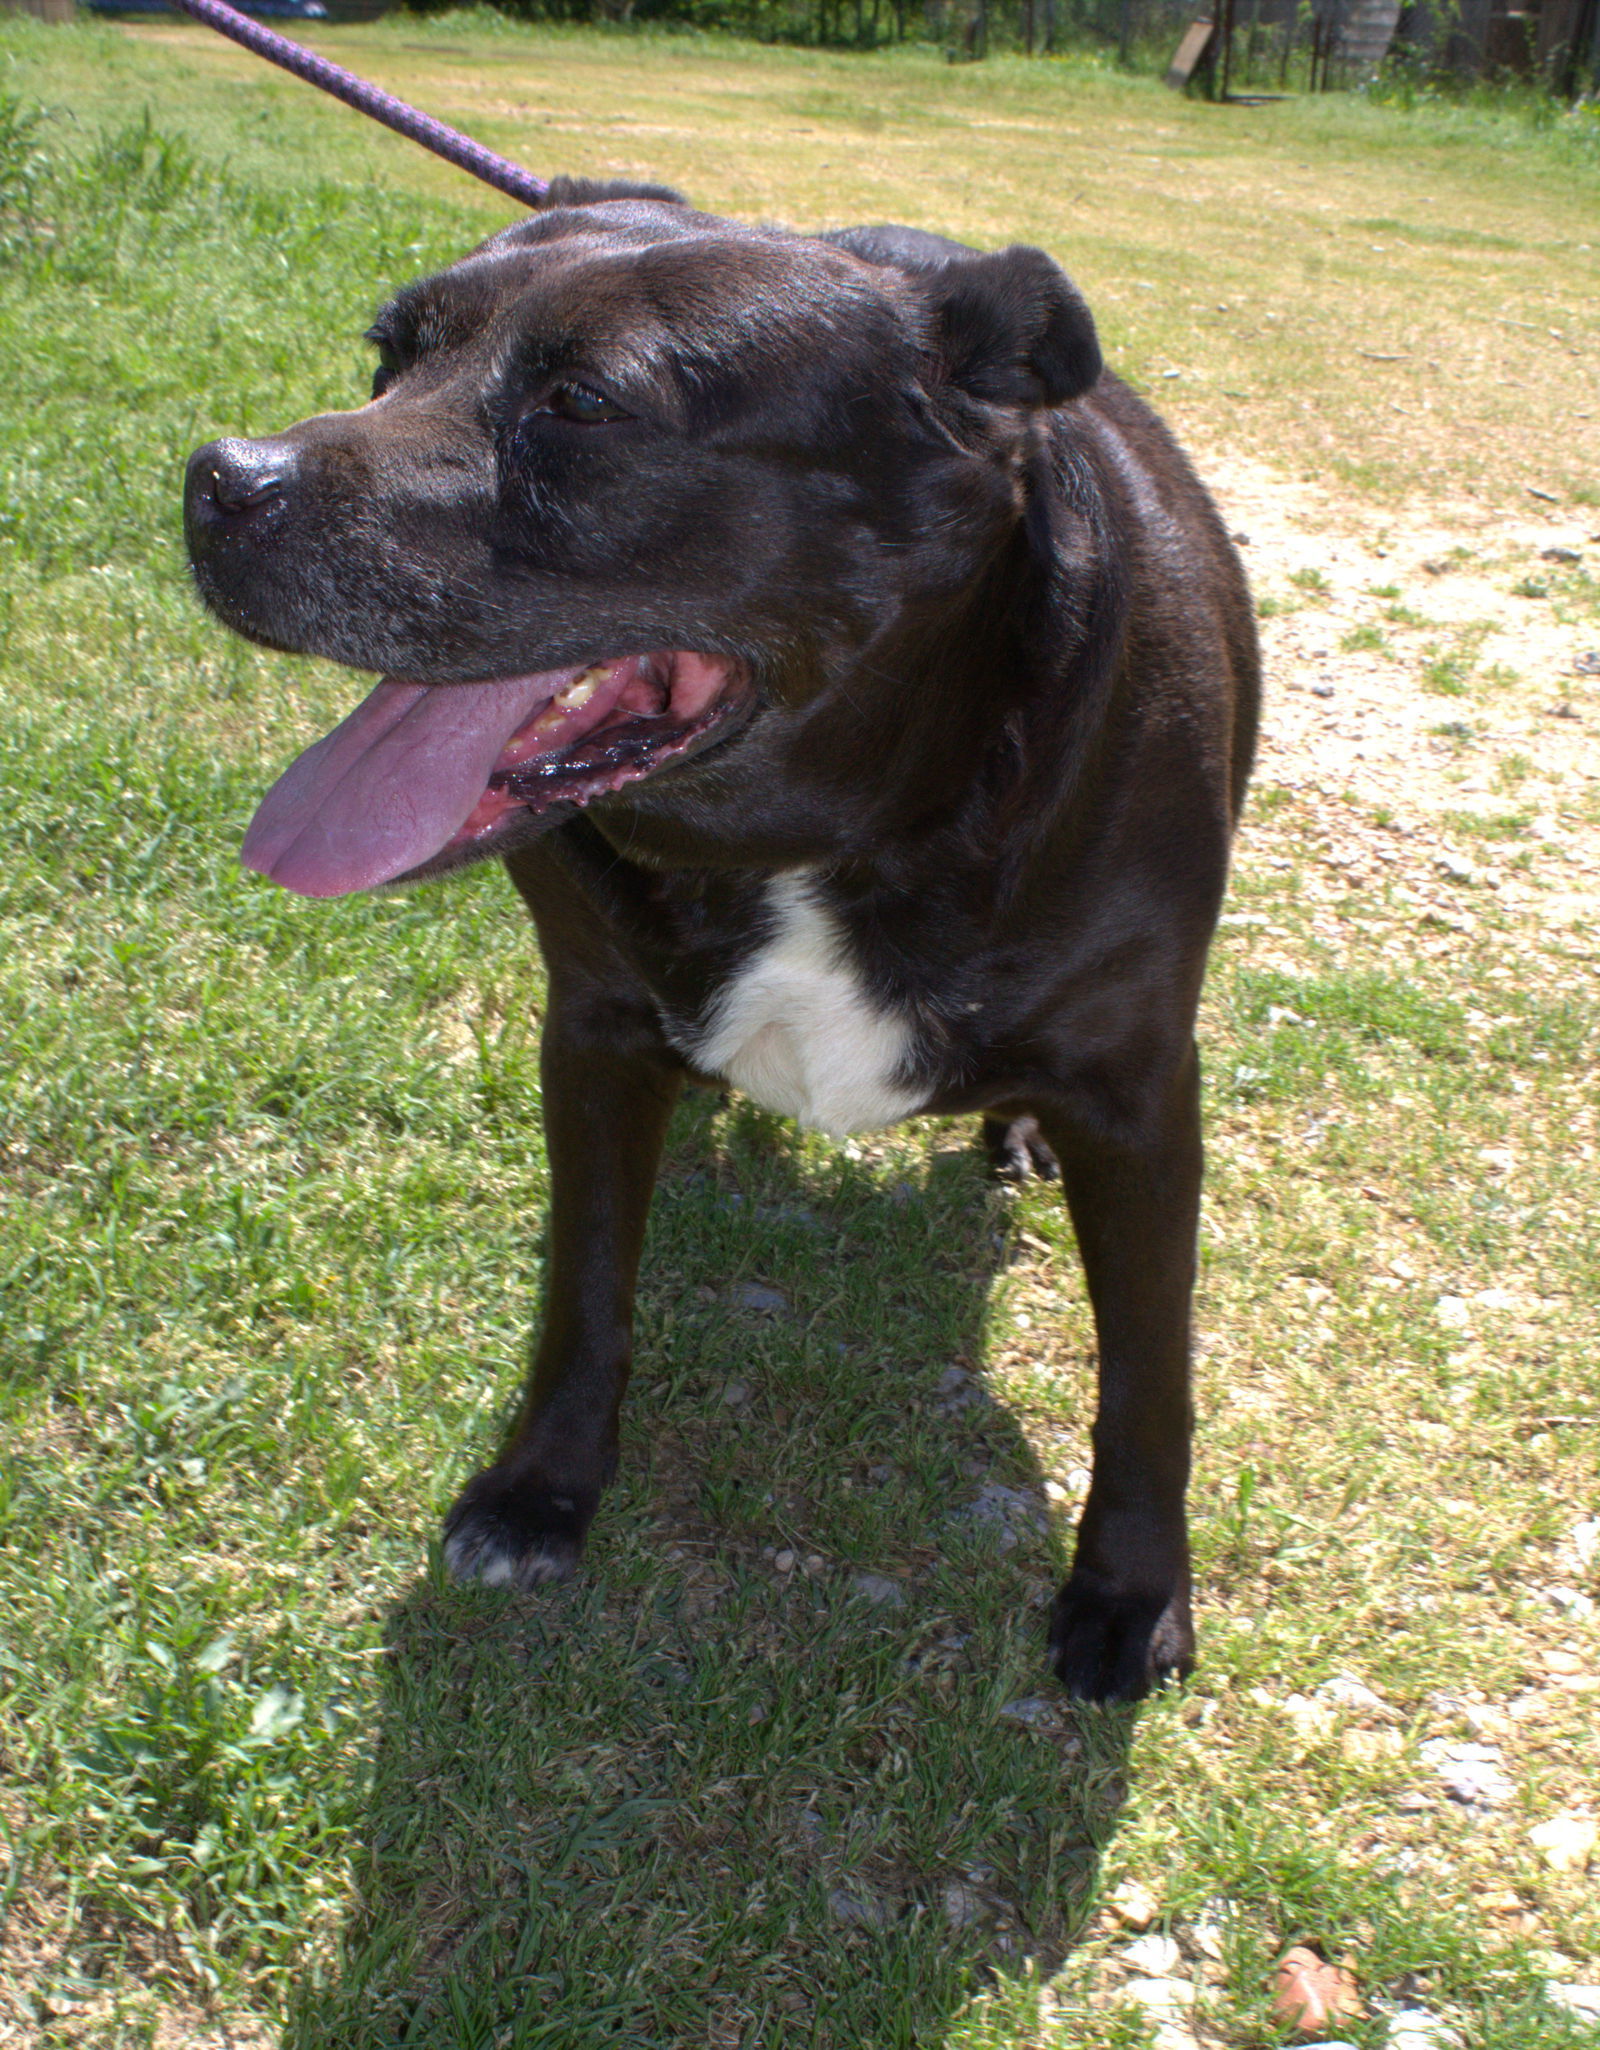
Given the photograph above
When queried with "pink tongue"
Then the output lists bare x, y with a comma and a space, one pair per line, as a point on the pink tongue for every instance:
389, 785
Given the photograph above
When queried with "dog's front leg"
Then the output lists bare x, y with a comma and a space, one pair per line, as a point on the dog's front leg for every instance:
609, 1086
1122, 1623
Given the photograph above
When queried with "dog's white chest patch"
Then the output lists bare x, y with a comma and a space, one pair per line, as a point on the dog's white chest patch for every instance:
796, 1030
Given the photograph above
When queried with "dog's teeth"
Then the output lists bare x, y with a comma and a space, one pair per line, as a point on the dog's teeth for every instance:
578, 693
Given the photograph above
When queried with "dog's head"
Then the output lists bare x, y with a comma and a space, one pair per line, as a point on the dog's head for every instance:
634, 484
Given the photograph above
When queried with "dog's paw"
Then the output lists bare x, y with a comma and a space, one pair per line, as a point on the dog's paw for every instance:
1016, 1150
1110, 1647
506, 1532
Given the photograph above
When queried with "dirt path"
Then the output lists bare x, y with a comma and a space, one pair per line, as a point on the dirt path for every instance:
1433, 683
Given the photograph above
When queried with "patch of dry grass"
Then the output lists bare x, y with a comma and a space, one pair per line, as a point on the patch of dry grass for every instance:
1345, 291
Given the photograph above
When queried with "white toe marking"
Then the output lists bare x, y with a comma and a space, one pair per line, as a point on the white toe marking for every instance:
796, 1029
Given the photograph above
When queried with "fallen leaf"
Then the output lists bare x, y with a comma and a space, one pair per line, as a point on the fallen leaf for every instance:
1310, 1993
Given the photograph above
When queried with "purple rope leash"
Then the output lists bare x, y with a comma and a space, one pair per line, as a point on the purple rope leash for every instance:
445, 142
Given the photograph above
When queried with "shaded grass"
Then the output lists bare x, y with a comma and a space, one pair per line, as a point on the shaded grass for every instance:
273, 1190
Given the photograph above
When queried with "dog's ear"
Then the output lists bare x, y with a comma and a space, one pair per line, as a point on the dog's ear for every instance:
1011, 328
596, 191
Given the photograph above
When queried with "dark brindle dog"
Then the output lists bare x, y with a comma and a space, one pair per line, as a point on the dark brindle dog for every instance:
860, 690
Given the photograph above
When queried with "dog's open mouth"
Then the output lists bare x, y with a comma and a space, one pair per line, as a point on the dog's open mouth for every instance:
420, 771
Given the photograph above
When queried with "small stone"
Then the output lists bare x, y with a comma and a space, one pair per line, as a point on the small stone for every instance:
1033, 1712
1322, 690
1160, 1997
859, 1911
998, 1507
1452, 1312
815, 1564
1583, 2001
959, 1390
784, 1561
1588, 663
1312, 1719
1586, 1541
1156, 1956
1134, 1906
736, 1394
1413, 2028
1472, 1774
1371, 1747
766, 1302
963, 1907
1562, 555
1567, 1841
879, 1588
1309, 1992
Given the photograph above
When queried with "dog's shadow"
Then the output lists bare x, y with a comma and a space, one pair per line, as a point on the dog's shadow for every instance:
785, 1765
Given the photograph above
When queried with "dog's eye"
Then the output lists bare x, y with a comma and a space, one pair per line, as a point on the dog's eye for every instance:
382, 378
581, 403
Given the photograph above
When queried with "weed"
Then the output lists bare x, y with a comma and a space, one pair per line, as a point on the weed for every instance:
1490, 825
1367, 640
24, 168
1311, 580
1445, 672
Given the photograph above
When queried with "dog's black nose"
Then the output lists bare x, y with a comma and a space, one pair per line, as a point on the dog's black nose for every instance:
229, 480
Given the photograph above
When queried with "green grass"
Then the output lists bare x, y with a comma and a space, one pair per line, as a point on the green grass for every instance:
269, 1251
